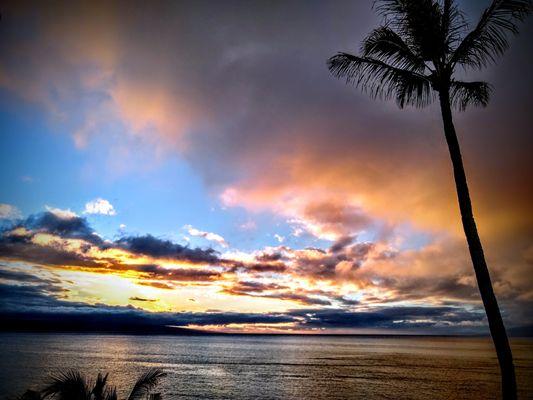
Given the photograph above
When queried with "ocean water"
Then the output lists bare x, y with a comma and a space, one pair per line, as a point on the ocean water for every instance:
271, 367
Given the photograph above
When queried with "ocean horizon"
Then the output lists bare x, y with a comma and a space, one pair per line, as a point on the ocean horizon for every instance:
270, 366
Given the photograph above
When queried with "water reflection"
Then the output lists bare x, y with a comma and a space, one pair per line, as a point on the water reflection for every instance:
266, 367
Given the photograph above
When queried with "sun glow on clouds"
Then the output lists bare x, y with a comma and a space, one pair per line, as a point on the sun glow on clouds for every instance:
158, 275
364, 196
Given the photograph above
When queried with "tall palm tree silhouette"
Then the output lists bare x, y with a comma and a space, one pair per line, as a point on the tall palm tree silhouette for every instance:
412, 58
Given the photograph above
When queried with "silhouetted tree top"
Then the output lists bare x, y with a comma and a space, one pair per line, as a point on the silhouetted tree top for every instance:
414, 53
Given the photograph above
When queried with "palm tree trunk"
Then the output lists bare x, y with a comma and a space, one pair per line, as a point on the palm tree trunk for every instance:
497, 328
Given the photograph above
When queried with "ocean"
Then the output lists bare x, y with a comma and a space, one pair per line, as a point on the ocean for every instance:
270, 367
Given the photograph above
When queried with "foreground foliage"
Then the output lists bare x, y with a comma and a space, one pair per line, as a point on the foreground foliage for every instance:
73, 385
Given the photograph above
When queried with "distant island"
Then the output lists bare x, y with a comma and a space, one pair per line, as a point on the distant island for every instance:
134, 324
89, 323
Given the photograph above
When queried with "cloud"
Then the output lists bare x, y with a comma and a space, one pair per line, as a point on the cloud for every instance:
60, 213
34, 304
154, 247
17, 248
333, 219
258, 267
27, 294
275, 139
51, 239
9, 212
341, 244
99, 206
335, 265
213, 237
394, 318
279, 238
63, 223
349, 273
142, 299
182, 274
241, 111
273, 291
156, 284
322, 156
23, 277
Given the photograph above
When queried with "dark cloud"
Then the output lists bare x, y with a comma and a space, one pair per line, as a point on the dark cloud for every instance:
270, 257
346, 301
6, 273
172, 274
253, 287
339, 262
392, 317
15, 245
275, 267
21, 303
299, 298
273, 291
151, 246
41, 297
341, 243
337, 217
448, 287
58, 255
142, 299
156, 284
16, 240
282, 292
72, 227
18, 245
47, 299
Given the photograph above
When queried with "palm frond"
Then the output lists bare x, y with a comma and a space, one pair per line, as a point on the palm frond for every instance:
490, 38
464, 94
70, 385
386, 45
418, 21
381, 80
111, 394
145, 383
453, 24
100, 387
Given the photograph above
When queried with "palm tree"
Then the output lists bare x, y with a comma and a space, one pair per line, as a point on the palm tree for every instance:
72, 385
412, 58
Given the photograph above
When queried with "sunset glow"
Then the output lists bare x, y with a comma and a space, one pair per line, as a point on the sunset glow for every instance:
220, 179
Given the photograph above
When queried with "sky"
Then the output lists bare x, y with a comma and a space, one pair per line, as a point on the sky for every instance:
195, 164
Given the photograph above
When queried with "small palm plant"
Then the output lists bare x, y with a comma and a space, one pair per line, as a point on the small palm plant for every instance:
72, 385
412, 58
